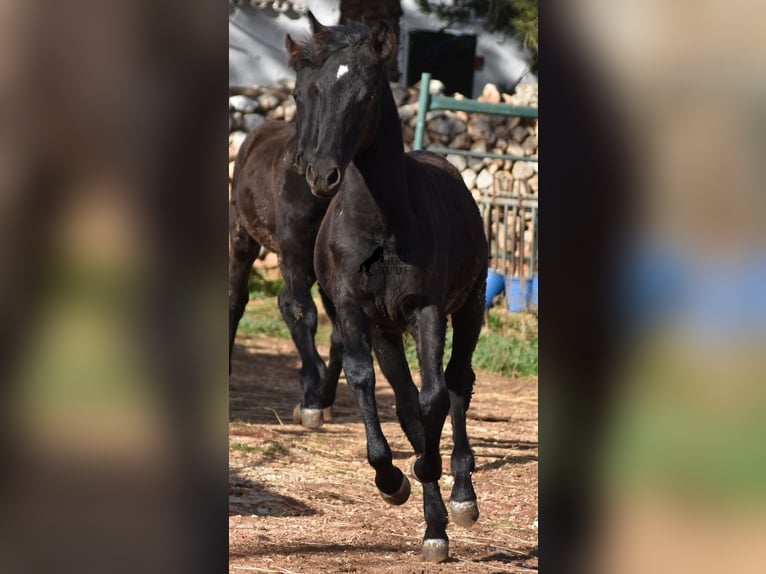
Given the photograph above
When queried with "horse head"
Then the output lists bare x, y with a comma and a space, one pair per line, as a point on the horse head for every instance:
339, 103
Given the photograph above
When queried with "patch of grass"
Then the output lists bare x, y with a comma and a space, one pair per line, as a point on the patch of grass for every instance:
507, 345
259, 286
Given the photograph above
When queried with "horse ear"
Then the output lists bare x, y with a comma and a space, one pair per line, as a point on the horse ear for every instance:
316, 26
384, 41
293, 49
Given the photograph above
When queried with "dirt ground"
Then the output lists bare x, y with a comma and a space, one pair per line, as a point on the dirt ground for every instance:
302, 501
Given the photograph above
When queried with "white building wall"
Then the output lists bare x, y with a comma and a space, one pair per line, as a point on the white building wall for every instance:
257, 44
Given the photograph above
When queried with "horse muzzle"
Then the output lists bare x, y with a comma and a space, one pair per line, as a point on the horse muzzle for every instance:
324, 180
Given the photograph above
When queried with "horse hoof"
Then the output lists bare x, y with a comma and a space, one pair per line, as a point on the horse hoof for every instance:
400, 496
311, 418
328, 414
435, 550
464, 514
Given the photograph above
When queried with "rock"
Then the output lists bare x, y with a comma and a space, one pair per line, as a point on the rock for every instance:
512, 122
484, 180
235, 121
530, 145
523, 188
490, 93
290, 110
408, 112
479, 146
440, 126
446, 126
469, 177
501, 145
436, 87
532, 183
252, 121
461, 141
408, 134
235, 141
479, 129
231, 169
243, 103
458, 161
522, 170
267, 102
278, 113
519, 133
400, 94
514, 149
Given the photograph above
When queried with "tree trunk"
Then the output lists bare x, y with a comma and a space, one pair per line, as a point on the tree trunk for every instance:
371, 12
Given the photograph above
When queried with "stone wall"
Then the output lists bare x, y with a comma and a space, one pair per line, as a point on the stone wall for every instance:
458, 130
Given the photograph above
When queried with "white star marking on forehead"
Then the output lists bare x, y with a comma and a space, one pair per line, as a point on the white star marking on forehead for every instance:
342, 70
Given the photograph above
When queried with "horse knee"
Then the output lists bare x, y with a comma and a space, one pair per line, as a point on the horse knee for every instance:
434, 401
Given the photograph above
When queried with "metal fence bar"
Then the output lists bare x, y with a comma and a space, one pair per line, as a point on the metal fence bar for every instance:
449, 150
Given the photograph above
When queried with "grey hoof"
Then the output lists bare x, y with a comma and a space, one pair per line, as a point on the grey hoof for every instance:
311, 418
328, 414
464, 514
400, 496
435, 550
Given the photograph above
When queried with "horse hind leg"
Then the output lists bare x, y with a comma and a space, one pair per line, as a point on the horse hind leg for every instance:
244, 250
466, 325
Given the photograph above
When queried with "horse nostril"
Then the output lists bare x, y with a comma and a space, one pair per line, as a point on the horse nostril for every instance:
298, 158
333, 178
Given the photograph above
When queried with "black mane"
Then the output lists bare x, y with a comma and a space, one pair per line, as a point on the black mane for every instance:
315, 50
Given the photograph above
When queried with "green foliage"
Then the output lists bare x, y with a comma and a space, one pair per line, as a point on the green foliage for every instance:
507, 345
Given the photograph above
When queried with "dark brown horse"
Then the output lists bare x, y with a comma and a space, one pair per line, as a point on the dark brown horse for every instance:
401, 249
271, 205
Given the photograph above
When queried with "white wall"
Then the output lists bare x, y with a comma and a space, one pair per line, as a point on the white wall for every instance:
257, 50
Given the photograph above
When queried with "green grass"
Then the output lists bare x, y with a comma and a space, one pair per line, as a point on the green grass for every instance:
267, 451
507, 345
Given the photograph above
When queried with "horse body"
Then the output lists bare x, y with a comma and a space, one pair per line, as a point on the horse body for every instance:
271, 205
433, 264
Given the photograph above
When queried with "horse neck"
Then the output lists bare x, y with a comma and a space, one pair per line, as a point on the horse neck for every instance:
382, 166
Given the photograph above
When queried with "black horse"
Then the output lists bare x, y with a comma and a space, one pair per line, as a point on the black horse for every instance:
271, 205
413, 211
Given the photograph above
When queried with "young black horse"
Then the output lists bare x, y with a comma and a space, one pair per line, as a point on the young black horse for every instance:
401, 247
271, 205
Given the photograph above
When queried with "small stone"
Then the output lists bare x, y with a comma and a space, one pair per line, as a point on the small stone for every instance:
479, 146
484, 180
278, 113
522, 170
436, 87
461, 141
235, 141
514, 149
252, 121
231, 168
479, 128
532, 183
440, 126
400, 94
490, 93
408, 111
530, 145
458, 161
290, 110
469, 177
243, 103
512, 122
519, 133
267, 102
408, 134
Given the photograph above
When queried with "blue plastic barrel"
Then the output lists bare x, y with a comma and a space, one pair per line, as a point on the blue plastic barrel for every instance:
495, 285
515, 294
534, 292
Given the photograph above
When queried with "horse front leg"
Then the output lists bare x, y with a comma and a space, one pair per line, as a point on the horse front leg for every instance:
335, 364
300, 315
360, 375
434, 406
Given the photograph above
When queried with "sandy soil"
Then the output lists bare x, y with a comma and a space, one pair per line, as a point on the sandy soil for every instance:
302, 501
